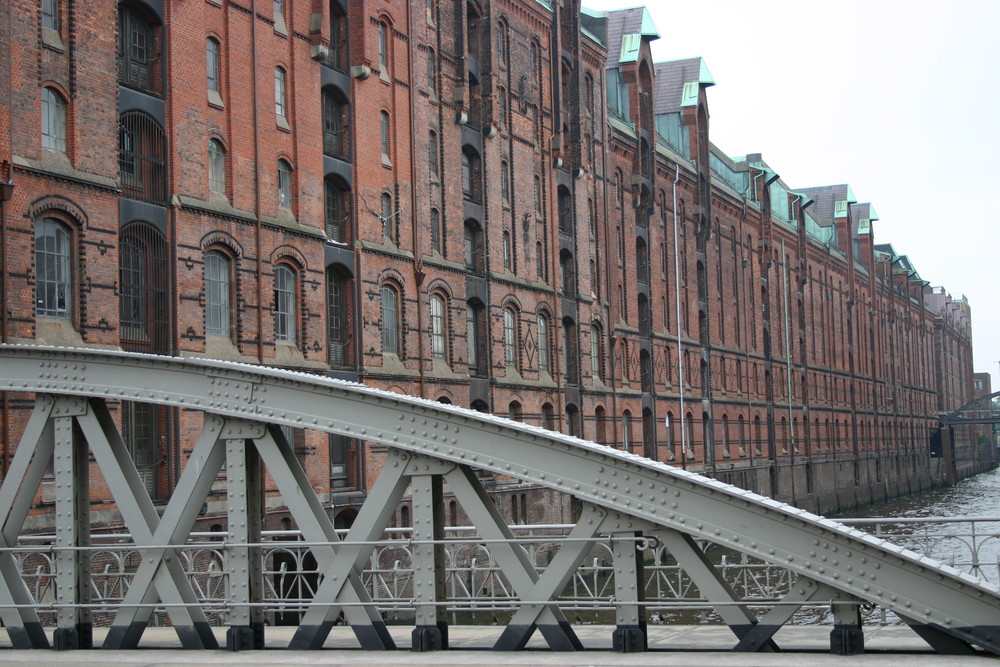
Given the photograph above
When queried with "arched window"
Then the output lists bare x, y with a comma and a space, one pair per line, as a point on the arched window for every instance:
436, 244
438, 326
514, 411
505, 182
511, 342
218, 273
432, 156
280, 106
216, 167
142, 158
548, 417
565, 210
212, 53
641, 261
383, 48
471, 175
567, 270
138, 51
506, 250
600, 425
501, 44
543, 342
501, 102
53, 281
143, 292
53, 120
388, 219
571, 354
336, 57
337, 212
475, 330
384, 135
626, 429
51, 15
337, 317
284, 304
390, 320
597, 352
336, 125
284, 185
472, 238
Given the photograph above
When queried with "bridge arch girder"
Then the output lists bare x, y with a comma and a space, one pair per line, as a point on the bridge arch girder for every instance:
935, 599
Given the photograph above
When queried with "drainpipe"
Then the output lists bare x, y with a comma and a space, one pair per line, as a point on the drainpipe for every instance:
418, 265
677, 310
256, 182
6, 193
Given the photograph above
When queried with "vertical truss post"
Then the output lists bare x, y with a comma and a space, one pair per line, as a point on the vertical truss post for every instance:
431, 631
245, 583
72, 560
630, 583
847, 638
17, 492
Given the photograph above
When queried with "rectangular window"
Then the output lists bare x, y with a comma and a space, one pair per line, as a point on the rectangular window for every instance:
50, 14
390, 321
279, 91
284, 305
212, 63
216, 294
383, 47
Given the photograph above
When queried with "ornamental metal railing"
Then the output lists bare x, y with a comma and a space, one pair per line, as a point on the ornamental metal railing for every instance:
477, 589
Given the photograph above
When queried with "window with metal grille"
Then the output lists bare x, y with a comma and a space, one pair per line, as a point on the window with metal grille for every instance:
336, 56
138, 51
336, 212
53, 120
216, 167
565, 210
143, 289
52, 268
438, 347
141, 158
284, 304
472, 238
390, 320
472, 186
218, 272
336, 126
337, 327
571, 353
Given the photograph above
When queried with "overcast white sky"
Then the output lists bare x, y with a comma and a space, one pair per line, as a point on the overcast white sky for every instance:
899, 99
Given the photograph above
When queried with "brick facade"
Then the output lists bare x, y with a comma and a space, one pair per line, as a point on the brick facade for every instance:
445, 200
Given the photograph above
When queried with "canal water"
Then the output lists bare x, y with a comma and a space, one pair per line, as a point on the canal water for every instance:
967, 534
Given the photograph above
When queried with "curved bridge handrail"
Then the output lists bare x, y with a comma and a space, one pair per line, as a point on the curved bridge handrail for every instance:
923, 591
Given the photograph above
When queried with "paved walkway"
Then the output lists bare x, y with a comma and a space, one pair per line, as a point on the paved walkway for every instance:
669, 645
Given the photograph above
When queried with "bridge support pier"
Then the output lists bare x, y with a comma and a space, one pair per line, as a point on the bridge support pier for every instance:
847, 637
431, 633
630, 618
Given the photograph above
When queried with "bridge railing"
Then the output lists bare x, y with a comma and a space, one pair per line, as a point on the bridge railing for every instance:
478, 591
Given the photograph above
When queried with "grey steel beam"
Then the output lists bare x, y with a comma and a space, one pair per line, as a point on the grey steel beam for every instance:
843, 558
431, 631
630, 583
244, 564
293, 484
161, 571
17, 492
71, 470
352, 554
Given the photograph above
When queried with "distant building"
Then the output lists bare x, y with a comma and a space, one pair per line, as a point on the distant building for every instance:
503, 205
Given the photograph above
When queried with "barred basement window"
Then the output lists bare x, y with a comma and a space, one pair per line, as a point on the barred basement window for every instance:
52, 268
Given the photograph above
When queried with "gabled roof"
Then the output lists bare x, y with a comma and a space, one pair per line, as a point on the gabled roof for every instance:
623, 22
670, 79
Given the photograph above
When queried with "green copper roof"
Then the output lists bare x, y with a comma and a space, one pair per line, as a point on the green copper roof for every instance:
630, 48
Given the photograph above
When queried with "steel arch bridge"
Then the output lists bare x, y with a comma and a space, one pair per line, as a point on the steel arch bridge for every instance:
623, 496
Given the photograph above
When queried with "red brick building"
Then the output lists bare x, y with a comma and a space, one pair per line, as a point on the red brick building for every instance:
505, 205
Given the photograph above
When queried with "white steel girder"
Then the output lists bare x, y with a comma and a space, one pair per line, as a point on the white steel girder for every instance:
950, 609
